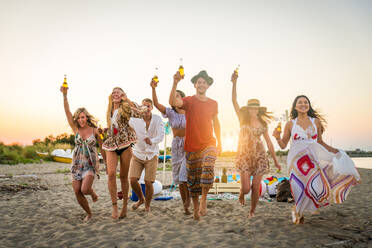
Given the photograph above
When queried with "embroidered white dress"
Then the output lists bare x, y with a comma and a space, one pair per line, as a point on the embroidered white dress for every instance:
314, 182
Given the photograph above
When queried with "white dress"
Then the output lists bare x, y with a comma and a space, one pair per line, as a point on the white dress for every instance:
314, 182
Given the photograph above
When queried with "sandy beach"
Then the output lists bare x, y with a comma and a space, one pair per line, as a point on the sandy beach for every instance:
42, 211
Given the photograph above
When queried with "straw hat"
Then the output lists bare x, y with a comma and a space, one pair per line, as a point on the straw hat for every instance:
255, 103
204, 75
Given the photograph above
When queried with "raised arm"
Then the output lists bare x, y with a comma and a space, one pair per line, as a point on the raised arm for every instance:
159, 106
271, 149
283, 142
234, 78
173, 101
134, 109
217, 132
67, 110
320, 140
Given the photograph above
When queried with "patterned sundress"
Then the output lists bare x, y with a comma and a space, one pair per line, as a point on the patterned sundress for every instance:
251, 156
84, 158
314, 183
120, 135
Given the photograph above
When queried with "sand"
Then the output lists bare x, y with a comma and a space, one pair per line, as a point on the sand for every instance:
44, 213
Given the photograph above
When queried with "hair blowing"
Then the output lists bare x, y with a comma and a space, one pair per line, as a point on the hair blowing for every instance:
263, 116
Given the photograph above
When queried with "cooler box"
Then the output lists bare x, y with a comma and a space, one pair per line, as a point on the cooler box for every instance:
134, 197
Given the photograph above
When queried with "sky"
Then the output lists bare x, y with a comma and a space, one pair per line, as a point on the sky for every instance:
322, 49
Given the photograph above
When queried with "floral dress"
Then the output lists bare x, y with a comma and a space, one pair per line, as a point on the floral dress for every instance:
251, 156
120, 134
84, 158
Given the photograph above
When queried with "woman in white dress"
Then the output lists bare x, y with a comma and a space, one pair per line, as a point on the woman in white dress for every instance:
314, 178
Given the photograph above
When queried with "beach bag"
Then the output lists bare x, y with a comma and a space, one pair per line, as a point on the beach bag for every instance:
283, 191
342, 164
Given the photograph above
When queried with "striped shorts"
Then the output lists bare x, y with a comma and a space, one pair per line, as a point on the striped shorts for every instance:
200, 169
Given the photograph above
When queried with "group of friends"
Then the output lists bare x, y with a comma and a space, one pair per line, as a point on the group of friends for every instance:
133, 134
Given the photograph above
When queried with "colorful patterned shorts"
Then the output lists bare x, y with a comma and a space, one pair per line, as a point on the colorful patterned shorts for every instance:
200, 169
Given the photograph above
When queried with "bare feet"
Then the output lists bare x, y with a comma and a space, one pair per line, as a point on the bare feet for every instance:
241, 199
87, 218
302, 220
186, 206
147, 208
296, 218
187, 211
251, 214
196, 214
203, 208
94, 197
137, 204
114, 214
123, 212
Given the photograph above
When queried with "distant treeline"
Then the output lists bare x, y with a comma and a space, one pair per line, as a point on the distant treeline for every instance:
17, 154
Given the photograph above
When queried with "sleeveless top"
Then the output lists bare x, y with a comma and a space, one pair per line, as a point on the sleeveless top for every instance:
298, 134
84, 157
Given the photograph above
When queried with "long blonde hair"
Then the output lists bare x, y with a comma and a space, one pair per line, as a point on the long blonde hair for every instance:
92, 122
263, 116
124, 109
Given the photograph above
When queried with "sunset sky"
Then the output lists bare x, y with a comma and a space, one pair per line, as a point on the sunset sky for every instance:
285, 48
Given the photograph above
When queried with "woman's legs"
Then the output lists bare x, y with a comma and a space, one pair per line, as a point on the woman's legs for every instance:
245, 186
256, 182
112, 161
87, 189
76, 185
124, 168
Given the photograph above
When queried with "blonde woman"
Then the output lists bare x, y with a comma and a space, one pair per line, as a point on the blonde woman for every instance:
85, 162
251, 159
120, 138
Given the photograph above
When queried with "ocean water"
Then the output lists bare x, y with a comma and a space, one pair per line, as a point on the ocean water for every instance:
363, 162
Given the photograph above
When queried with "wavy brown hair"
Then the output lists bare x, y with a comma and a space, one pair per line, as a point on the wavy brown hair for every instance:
124, 109
92, 122
312, 113
263, 116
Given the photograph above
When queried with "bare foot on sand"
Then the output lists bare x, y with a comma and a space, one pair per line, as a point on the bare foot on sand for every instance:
94, 197
196, 215
241, 199
148, 209
251, 215
187, 211
87, 218
114, 214
203, 208
186, 206
123, 212
137, 204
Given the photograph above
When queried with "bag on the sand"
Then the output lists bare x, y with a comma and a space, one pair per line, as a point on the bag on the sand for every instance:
283, 191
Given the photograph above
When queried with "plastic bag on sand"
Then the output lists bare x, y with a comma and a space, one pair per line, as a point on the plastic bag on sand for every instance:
344, 165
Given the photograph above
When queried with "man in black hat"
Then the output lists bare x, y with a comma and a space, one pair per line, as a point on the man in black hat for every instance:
200, 144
